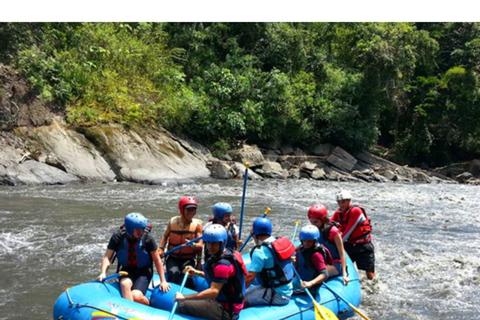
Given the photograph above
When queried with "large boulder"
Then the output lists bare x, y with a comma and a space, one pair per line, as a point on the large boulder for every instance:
221, 170
29, 171
70, 150
464, 177
250, 154
239, 170
144, 156
342, 159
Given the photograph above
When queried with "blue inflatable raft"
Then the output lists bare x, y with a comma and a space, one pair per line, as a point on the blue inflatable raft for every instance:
101, 301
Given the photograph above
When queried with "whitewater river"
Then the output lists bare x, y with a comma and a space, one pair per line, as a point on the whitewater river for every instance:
427, 238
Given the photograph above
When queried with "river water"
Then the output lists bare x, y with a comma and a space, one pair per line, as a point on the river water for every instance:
427, 238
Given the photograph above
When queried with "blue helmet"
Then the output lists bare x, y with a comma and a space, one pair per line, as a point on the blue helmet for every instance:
215, 233
309, 233
262, 226
135, 220
220, 209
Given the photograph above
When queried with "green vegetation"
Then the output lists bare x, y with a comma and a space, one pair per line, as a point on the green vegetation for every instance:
411, 87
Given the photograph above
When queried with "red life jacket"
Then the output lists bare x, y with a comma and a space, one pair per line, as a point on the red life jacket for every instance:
361, 233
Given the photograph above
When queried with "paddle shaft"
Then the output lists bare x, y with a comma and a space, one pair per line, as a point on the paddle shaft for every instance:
361, 314
295, 231
175, 305
183, 245
315, 303
245, 179
251, 234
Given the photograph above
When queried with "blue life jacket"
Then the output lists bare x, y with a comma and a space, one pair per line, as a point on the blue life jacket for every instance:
305, 267
234, 290
282, 272
144, 259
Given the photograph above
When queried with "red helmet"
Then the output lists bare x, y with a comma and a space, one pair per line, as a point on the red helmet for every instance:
318, 211
186, 202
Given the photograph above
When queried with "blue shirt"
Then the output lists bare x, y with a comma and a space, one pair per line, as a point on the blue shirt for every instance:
262, 258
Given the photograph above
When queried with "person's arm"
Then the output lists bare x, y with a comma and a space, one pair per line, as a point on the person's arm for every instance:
355, 217
318, 262
341, 251
199, 245
163, 242
161, 272
249, 278
210, 293
106, 262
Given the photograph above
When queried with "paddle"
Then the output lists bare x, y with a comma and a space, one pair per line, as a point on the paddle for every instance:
251, 234
182, 245
114, 276
175, 305
295, 230
245, 179
321, 313
361, 314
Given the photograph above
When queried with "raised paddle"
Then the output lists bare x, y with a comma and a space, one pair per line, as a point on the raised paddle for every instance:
321, 313
182, 245
295, 231
251, 234
361, 314
245, 179
175, 305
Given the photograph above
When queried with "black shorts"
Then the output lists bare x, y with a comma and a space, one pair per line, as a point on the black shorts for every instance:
140, 278
363, 254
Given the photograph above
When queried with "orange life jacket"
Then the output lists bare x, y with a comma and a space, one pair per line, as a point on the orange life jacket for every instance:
180, 235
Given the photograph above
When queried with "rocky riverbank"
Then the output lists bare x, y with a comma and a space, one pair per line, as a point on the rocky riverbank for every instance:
38, 147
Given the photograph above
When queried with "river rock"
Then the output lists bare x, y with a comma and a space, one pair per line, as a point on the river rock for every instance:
379, 178
474, 167
419, 176
239, 170
143, 156
308, 166
249, 154
342, 159
286, 149
463, 177
273, 170
69, 150
360, 175
221, 170
318, 174
294, 173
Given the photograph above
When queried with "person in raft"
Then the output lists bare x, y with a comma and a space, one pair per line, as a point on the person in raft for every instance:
136, 250
222, 215
312, 258
180, 230
225, 273
331, 238
271, 265
356, 228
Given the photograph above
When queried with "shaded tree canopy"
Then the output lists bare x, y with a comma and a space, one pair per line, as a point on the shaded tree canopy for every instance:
411, 87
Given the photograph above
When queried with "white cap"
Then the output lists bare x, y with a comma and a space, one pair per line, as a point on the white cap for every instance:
343, 195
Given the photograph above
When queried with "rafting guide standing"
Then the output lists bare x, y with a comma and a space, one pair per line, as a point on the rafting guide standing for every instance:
179, 231
225, 273
136, 250
356, 229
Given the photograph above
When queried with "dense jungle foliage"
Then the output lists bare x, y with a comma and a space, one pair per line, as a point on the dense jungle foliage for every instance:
410, 87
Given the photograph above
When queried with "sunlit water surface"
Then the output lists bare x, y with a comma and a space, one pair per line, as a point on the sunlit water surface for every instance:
427, 238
